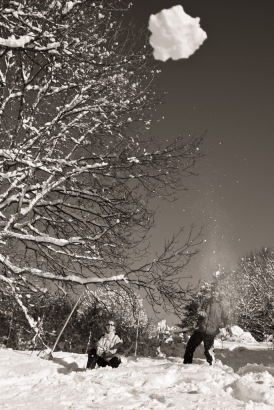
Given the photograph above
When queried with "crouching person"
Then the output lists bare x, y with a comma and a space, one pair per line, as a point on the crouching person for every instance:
106, 351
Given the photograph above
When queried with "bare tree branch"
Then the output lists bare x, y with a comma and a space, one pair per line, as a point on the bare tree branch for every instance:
77, 168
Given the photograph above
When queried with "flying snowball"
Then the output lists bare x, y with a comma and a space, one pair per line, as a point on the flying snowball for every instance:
175, 34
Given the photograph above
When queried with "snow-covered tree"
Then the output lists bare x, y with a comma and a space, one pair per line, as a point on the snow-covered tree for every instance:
48, 313
77, 171
125, 306
250, 292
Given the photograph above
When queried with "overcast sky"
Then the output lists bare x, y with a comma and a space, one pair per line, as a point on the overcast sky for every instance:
227, 88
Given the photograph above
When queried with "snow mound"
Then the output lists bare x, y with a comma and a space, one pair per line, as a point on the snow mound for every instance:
175, 34
257, 388
240, 336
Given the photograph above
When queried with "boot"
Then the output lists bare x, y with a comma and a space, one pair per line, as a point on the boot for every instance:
92, 359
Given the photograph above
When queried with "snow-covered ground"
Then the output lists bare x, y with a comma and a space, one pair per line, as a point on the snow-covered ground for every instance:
28, 382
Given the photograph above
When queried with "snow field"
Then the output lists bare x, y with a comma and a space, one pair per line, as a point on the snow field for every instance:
28, 382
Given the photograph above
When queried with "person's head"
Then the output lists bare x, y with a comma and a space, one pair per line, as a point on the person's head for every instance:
110, 325
215, 292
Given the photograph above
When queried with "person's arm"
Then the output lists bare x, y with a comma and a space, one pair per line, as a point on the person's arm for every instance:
100, 341
116, 346
201, 310
226, 319
196, 308
100, 346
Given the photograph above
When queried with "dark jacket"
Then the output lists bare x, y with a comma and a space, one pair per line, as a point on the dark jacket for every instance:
216, 317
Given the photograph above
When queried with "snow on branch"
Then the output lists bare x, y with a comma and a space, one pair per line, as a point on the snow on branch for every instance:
69, 5
13, 42
30, 320
48, 275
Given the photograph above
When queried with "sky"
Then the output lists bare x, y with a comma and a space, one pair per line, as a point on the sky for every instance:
225, 88
242, 378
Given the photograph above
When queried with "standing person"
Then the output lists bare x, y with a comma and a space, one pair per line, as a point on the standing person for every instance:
105, 353
214, 314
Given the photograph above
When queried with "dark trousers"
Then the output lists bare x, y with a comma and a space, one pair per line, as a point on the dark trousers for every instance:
195, 340
94, 359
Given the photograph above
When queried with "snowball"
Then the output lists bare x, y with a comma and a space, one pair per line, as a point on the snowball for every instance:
175, 34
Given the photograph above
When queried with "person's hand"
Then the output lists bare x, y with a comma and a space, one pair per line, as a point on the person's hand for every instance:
202, 313
111, 351
107, 353
100, 351
110, 354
